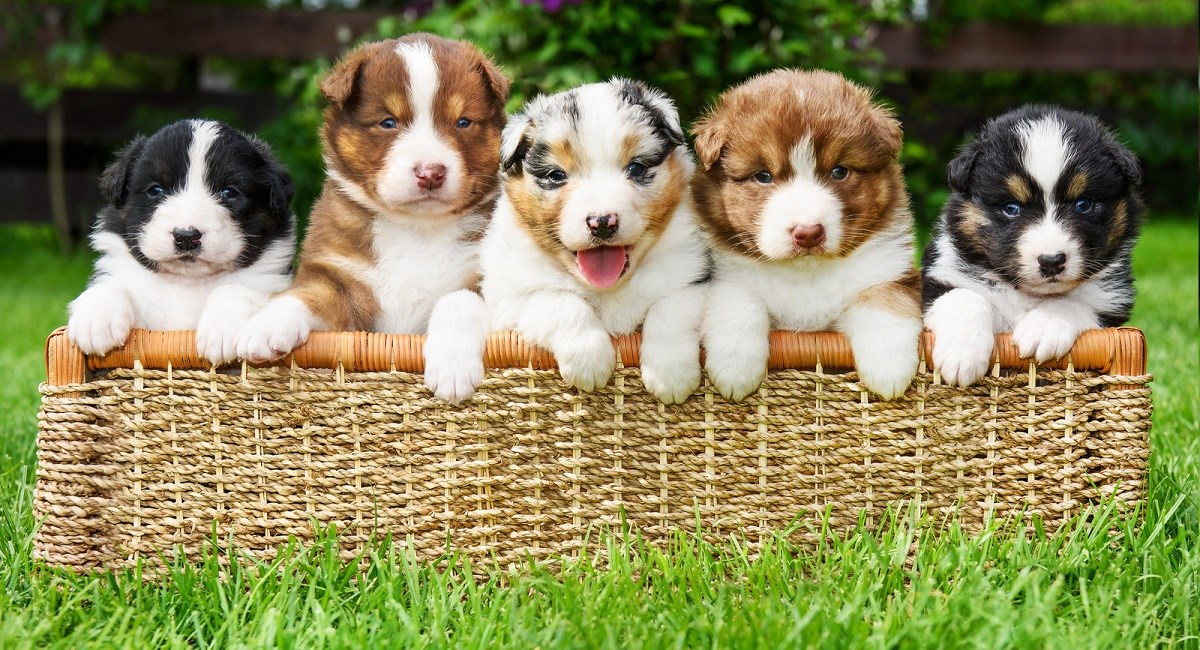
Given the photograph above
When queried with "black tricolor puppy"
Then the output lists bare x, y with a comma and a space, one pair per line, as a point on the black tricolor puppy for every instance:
1036, 238
197, 234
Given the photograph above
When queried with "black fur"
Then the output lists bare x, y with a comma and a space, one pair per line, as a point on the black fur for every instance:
262, 211
978, 180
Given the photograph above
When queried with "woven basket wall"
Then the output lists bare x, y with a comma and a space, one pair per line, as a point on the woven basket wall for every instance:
141, 451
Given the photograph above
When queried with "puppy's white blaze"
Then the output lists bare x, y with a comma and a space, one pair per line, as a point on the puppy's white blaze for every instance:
1047, 152
601, 126
802, 201
420, 142
194, 206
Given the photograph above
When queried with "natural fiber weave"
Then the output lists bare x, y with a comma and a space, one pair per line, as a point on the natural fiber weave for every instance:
134, 461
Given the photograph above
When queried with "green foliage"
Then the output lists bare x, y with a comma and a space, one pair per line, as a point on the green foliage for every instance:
1123, 12
1080, 588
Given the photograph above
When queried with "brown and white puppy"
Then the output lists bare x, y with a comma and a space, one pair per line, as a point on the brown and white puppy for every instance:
411, 142
594, 235
803, 201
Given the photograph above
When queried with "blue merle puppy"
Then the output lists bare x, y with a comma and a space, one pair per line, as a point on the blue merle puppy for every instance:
1036, 239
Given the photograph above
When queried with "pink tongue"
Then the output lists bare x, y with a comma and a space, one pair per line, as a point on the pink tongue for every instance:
602, 266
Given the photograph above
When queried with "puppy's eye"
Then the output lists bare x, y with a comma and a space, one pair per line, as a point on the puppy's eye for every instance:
1012, 209
389, 123
1084, 206
838, 173
635, 170
764, 177
155, 191
463, 122
555, 175
229, 194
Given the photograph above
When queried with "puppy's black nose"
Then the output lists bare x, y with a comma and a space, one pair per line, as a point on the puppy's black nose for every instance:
603, 226
1052, 265
186, 239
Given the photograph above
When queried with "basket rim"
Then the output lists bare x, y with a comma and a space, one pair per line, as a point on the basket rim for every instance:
1118, 351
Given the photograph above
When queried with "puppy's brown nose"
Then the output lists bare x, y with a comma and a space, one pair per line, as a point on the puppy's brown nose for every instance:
1052, 265
809, 236
430, 176
186, 239
603, 226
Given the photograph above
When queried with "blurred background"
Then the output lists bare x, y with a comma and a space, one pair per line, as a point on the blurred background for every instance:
78, 79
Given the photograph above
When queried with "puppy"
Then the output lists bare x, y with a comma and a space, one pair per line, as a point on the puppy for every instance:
594, 235
411, 141
197, 234
809, 220
1036, 238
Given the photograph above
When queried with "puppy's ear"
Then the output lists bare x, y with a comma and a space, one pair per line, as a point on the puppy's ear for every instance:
279, 181
958, 172
114, 181
710, 140
339, 84
1127, 162
493, 76
515, 143
887, 130
664, 117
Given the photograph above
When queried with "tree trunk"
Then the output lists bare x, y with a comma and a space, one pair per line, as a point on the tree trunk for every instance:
57, 175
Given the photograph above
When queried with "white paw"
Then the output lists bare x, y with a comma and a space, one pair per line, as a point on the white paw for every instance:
453, 369
100, 320
1044, 335
275, 331
963, 355
671, 373
889, 374
220, 324
588, 362
961, 322
735, 374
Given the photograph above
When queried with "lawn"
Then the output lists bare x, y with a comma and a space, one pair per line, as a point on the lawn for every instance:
1078, 589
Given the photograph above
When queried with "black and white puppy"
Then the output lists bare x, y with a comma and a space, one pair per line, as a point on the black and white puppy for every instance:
198, 233
1036, 238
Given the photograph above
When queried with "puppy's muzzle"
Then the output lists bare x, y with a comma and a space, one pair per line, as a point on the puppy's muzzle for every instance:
603, 226
187, 240
808, 236
1052, 264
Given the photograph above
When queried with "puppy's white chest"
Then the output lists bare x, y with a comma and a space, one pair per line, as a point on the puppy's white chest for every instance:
415, 267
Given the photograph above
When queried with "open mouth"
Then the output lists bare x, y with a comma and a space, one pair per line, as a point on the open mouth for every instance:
603, 266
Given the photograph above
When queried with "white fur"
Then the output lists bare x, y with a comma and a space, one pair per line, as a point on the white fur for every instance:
1047, 153
750, 297
282, 326
530, 291
802, 201
1049, 324
193, 206
124, 294
454, 347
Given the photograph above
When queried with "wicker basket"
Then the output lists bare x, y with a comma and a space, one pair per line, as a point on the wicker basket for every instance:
149, 450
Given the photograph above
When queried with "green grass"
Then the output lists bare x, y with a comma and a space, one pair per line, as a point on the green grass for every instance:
1077, 589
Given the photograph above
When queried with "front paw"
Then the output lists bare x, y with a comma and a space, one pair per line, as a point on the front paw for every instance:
671, 375
1044, 335
218, 330
962, 356
99, 325
274, 332
735, 375
452, 371
587, 364
889, 375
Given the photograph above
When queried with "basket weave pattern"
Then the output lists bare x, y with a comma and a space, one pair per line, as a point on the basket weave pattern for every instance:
142, 451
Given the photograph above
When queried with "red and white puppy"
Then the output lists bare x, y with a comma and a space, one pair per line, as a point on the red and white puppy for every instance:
594, 235
806, 210
412, 147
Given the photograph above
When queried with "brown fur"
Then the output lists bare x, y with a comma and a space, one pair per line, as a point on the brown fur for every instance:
754, 127
368, 85
1078, 186
1019, 188
902, 297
